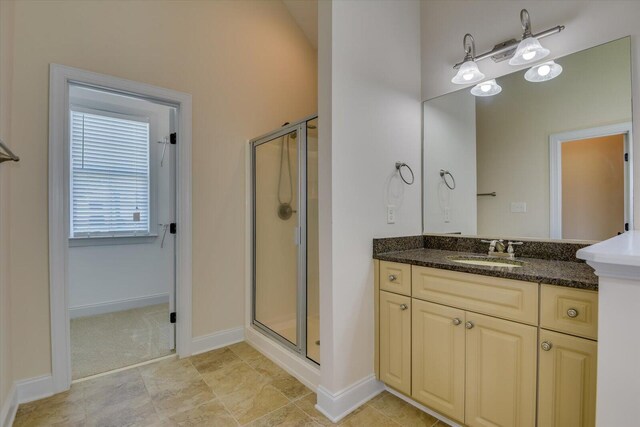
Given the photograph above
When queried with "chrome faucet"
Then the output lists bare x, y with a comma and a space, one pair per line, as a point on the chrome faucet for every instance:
497, 248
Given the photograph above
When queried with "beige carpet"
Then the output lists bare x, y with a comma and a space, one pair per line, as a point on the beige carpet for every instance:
110, 341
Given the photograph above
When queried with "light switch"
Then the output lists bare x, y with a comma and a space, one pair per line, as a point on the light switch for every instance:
518, 207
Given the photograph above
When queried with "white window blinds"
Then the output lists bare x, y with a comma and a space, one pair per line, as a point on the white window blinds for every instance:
109, 175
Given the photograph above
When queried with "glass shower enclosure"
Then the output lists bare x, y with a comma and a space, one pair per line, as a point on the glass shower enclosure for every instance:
285, 291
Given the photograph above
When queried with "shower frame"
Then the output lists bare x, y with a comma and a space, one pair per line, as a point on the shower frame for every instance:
301, 310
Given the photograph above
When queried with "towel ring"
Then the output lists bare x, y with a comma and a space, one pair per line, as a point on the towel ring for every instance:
399, 166
443, 174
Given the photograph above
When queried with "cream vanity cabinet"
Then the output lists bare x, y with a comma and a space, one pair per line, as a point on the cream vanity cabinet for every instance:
469, 346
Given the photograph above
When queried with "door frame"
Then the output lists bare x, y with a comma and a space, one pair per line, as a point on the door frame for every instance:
60, 77
555, 168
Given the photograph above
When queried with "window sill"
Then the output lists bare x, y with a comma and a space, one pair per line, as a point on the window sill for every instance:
111, 240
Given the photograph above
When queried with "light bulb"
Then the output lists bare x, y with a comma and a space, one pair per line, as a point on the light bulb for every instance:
488, 88
528, 50
468, 73
543, 72
544, 69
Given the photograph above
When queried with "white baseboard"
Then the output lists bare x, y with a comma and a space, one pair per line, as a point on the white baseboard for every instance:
303, 370
9, 408
120, 305
422, 407
336, 406
34, 388
216, 340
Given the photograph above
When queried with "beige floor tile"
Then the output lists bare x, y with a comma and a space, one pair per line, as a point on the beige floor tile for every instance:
247, 405
64, 409
172, 402
232, 378
214, 360
308, 405
289, 416
175, 386
169, 375
291, 387
138, 412
244, 351
366, 416
113, 390
267, 368
400, 411
209, 414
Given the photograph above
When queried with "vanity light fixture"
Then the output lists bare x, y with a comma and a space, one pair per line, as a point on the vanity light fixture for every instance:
518, 52
543, 72
468, 71
529, 49
488, 88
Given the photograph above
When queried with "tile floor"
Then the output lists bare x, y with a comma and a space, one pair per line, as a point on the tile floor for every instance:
110, 341
231, 386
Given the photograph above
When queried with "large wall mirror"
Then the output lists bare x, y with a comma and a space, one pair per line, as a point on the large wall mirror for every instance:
542, 160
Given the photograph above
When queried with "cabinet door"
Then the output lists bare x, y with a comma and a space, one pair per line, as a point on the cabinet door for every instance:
395, 341
567, 381
438, 354
501, 372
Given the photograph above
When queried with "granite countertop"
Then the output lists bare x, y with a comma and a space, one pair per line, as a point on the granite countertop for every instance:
562, 273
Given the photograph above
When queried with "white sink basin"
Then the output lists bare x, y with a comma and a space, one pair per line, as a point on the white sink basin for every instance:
487, 261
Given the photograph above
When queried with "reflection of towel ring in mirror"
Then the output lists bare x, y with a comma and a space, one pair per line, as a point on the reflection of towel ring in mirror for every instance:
399, 166
443, 174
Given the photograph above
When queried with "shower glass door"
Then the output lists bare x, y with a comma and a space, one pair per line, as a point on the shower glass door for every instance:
278, 270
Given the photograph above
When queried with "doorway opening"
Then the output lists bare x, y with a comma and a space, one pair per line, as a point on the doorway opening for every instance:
591, 185
119, 223
121, 250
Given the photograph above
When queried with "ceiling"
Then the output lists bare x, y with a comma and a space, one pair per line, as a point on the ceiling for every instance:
305, 13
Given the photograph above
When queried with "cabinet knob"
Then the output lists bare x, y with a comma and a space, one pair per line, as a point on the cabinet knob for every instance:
403, 306
457, 321
393, 277
572, 312
469, 325
546, 345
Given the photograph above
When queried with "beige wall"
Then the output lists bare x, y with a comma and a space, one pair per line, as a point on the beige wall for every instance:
513, 132
6, 170
249, 69
593, 188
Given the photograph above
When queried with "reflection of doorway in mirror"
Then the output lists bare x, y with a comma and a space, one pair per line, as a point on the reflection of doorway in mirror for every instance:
593, 187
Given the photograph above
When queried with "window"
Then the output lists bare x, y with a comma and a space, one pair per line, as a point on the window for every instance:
110, 175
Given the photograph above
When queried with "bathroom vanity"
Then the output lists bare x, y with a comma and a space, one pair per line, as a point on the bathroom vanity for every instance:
483, 345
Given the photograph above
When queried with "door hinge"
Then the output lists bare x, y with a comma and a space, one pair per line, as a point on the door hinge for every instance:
172, 228
626, 226
626, 157
173, 138
172, 317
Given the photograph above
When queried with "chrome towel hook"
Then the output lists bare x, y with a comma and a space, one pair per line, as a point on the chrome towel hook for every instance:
399, 166
443, 175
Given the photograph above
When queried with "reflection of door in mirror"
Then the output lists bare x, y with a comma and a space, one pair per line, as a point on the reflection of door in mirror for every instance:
593, 187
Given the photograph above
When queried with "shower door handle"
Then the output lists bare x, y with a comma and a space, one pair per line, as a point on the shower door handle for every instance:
297, 236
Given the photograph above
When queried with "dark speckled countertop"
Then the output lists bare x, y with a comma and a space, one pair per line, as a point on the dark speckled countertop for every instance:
563, 272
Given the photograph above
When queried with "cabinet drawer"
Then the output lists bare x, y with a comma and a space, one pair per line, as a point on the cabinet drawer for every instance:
395, 277
509, 299
574, 311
